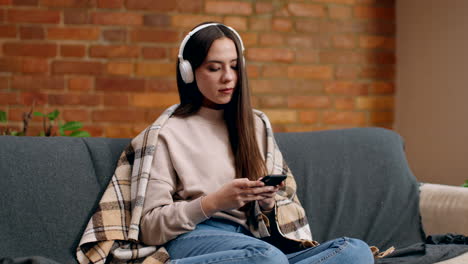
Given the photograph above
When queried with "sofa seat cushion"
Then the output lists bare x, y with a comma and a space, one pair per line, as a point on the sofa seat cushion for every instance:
28, 260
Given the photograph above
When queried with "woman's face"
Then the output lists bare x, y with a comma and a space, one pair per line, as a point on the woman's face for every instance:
217, 76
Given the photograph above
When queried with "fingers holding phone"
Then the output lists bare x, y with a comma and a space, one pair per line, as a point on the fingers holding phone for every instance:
276, 181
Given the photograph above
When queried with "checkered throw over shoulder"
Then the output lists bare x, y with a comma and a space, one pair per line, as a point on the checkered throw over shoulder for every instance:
112, 232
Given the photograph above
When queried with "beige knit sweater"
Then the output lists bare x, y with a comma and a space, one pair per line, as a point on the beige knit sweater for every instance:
193, 158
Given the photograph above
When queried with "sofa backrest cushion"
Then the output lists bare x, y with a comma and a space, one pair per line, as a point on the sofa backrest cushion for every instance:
48, 190
352, 182
357, 183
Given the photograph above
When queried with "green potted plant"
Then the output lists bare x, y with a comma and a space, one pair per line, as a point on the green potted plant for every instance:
49, 121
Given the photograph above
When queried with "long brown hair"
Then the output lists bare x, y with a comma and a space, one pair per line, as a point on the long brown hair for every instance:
238, 113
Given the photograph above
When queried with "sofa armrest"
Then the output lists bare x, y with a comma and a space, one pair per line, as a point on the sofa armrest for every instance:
444, 209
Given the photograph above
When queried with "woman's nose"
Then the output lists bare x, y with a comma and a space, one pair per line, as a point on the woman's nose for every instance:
228, 75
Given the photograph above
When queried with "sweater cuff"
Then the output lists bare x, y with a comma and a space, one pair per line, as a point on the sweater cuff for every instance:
195, 211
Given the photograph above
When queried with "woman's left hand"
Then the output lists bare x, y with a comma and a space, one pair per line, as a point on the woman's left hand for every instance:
268, 203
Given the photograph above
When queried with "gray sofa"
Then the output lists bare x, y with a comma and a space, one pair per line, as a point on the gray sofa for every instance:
352, 182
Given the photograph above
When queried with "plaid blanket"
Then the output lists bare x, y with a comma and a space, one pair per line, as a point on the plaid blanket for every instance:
112, 232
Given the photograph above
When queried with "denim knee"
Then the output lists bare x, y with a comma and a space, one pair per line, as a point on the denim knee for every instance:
268, 254
357, 251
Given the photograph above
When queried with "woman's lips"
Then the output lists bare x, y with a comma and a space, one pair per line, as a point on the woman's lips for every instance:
226, 91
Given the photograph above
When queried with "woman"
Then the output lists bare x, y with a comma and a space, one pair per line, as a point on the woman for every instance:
205, 201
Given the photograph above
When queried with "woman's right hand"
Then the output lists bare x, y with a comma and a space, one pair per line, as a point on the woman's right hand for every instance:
233, 195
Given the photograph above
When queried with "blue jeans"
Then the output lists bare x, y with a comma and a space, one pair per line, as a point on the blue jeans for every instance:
222, 241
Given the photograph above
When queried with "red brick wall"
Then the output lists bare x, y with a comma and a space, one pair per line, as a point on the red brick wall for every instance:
313, 64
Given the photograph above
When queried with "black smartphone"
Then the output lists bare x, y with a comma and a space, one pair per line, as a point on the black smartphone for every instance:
273, 180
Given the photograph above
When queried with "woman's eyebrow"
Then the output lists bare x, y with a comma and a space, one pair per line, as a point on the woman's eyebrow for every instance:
217, 61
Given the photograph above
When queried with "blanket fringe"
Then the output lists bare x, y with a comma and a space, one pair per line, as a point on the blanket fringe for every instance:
377, 254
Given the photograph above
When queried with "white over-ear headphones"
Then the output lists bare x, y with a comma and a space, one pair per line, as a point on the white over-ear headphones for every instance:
185, 68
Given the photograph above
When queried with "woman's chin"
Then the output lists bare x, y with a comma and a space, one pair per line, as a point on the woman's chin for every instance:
222, 100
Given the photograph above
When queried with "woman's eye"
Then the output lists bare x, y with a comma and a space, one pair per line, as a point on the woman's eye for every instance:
234, 67
214, 69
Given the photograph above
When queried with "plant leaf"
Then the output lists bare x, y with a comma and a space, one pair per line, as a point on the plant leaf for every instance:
465, 184
80, 134
3, 116
39, 114
73, 125
53, 115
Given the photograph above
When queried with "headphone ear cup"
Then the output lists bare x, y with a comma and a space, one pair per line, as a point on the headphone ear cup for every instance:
186, 71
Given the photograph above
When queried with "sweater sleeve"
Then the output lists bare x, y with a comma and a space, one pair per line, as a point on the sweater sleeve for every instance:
163, 218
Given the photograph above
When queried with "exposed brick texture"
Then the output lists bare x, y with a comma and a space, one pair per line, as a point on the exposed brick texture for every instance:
107, 51
33, 16
307, 10
33, 50
108, 18
120, 68
161, 6
110, 3
77, 67
35, 32
312, 65
120, 85
114, 35
76, 16
25, 2
37, 83
67, 3
72, 50
155, 36
228, 7
7, 31
84, 84
73, 33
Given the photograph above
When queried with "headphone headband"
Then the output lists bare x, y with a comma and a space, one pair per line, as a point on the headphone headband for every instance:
195, 30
